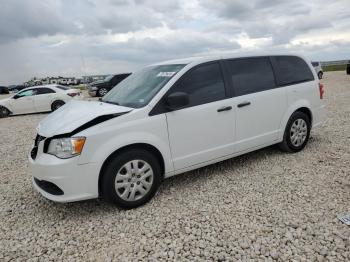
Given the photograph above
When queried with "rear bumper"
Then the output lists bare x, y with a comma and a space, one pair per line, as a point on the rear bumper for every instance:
76, 182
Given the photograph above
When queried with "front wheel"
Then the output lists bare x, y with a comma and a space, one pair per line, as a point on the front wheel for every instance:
4, 112
320, 75
297, 132
131, 178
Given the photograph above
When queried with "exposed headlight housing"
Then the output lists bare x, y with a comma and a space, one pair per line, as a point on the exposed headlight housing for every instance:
66, 147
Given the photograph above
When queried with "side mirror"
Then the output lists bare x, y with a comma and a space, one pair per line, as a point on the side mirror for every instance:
16, 97
177, 100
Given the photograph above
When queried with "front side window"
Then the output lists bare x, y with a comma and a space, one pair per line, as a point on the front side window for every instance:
30, 92
292, 70
139, 88
251, 75
203, 84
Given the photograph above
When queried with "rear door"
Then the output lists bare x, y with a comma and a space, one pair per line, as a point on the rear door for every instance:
259, 103
204, 130
43, 99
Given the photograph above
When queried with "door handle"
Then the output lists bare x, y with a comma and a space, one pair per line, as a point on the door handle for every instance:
243, 104
225, 108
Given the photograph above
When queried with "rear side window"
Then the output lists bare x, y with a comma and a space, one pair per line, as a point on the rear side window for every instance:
44, 90
314, 64
203, 84
62, 87
292, 70
251, 75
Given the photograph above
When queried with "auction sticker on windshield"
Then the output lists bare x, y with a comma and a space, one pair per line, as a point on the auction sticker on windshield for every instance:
166, 74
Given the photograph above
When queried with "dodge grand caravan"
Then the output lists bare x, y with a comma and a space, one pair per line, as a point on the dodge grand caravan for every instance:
172, 117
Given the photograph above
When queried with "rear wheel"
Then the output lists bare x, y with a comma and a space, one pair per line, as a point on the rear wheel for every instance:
4, 112
131, 178
297, 132
56, 105
102, 91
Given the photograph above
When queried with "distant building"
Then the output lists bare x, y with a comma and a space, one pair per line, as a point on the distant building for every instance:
92, 78
53, 80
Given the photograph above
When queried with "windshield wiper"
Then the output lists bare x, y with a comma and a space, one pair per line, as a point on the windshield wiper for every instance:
110, 102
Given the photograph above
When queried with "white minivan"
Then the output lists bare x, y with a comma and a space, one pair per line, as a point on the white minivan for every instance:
172, 117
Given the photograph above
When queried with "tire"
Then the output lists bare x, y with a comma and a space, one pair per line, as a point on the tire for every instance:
134, 188
320, 75
4, 112
297, 133
102, 91
56, 105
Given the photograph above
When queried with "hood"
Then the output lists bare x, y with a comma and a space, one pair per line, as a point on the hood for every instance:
78, 115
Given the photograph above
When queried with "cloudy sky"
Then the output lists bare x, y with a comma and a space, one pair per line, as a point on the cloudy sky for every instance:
73, 38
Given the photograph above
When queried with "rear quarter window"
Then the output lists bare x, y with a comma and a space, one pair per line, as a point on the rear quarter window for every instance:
291, 70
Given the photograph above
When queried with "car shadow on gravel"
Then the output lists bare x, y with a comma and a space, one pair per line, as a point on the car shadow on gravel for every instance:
201, 174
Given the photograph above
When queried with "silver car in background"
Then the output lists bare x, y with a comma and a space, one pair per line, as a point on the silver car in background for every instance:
318, 69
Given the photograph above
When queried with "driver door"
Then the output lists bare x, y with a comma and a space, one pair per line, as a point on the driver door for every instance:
204, 130
23, 102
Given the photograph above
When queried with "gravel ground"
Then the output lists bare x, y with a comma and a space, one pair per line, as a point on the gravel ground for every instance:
265, 205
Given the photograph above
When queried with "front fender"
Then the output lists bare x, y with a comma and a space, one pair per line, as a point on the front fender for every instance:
153, 132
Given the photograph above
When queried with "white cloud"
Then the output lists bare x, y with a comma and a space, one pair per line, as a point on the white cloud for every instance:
63, 37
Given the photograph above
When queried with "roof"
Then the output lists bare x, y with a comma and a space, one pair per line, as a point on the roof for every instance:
202, 59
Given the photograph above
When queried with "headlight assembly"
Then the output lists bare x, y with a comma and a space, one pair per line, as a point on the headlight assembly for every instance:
66, 147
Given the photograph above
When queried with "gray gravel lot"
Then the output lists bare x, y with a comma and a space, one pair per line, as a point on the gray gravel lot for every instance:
265, 205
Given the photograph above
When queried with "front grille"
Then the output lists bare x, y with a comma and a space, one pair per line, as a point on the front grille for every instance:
34, 151
49, 187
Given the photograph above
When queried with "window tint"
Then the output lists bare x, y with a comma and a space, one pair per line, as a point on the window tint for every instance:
292, 70
29, 92
251, 75
44, 90
204, 84
62, 87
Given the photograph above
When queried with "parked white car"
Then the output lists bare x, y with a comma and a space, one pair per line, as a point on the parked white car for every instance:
38, 99
172, 117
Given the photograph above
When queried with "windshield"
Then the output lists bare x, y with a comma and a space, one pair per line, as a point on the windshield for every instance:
139, 88
107, 78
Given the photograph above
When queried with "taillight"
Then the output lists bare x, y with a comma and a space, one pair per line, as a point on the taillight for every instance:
321, 88
73, 94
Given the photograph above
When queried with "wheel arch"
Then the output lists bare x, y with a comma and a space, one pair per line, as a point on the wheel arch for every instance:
57, 100
152, 149
302, 106
306, 111
10, 112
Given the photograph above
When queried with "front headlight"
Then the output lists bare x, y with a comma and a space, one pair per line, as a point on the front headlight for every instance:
66, 147
93, 88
